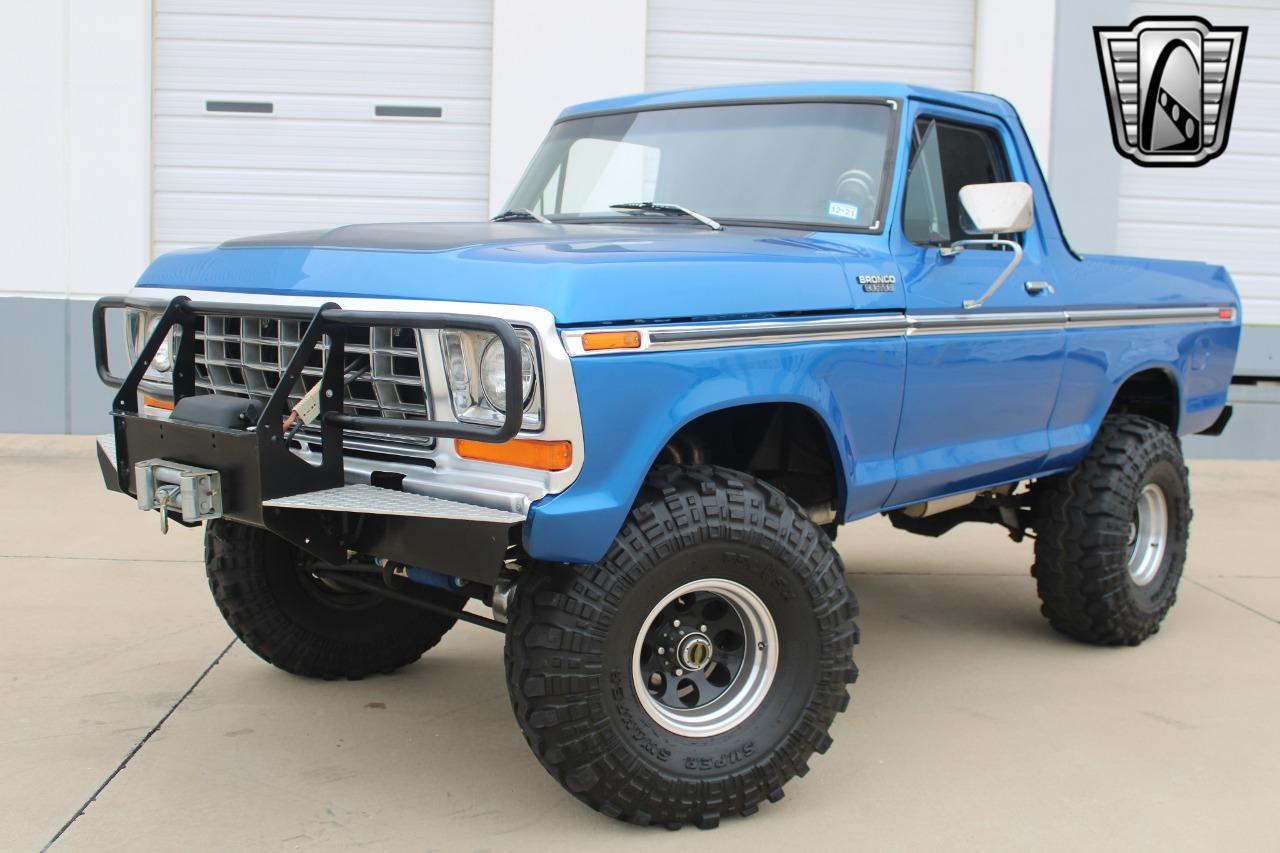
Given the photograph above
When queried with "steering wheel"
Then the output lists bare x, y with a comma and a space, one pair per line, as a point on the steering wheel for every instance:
856, 187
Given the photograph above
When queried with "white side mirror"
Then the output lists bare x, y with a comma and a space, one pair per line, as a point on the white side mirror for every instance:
992, 209
1005, 208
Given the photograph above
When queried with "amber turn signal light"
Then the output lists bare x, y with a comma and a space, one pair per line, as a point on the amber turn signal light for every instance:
155, 403
593, 341
524, 452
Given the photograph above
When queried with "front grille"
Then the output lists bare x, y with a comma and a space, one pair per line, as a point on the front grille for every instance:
246, 356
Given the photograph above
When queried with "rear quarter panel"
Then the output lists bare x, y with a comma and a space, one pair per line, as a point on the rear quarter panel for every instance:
1199, 357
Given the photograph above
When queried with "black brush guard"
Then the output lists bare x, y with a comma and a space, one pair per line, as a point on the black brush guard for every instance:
257, 465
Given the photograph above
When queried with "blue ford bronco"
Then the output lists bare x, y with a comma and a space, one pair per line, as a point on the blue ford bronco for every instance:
628, 415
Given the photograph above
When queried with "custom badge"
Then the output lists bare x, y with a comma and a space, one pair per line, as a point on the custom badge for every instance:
1171, 84
877, 283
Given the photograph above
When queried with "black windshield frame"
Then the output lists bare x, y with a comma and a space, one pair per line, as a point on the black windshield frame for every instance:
892, 136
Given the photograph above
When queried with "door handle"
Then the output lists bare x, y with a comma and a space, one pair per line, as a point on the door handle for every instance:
1035, 288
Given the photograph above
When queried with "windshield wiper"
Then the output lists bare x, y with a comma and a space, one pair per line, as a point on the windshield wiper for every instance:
662, 207
521, 213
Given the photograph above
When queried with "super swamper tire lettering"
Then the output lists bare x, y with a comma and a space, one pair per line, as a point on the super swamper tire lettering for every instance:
747, 557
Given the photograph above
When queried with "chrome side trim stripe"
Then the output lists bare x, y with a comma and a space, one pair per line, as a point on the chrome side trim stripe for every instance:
681, 336
706, 335
836, 328
977, 322
1150, 316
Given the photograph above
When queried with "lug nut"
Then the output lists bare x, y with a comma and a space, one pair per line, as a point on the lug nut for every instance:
661, 650
679, 672
676, 624
702, 628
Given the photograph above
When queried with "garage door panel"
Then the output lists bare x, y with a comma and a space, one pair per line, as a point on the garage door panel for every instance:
710, 42
412, 184
337, 69
682, 73
1255, 108
834, 52
312, 30
1250, 182
321, 157
1195, 242
454, 111
392, 10
320, 144
189, 217
1209, 216
920, 21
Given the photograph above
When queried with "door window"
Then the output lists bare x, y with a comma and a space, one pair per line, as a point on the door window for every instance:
944, 158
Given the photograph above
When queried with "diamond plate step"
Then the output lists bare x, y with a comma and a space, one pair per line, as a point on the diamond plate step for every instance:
107, 443
378, 501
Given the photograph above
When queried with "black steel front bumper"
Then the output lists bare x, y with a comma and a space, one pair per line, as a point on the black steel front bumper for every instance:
266, 484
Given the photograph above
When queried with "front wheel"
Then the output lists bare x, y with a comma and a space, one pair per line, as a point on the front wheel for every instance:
692, 672
1112, 535
305, 624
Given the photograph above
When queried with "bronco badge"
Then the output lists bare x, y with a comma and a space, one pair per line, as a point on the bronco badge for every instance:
1170, 84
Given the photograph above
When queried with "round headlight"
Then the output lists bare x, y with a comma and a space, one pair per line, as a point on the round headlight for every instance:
493, 375
163, 362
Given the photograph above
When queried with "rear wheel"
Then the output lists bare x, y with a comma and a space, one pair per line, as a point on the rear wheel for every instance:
694, 670
1112, 535
304, 624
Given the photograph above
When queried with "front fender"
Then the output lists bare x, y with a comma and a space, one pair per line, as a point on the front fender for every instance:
632, 404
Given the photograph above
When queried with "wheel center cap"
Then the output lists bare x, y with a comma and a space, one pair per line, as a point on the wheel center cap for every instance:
694, 651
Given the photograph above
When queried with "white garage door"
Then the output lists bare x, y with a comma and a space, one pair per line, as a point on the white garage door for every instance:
1225, 211
707, 42
322, 155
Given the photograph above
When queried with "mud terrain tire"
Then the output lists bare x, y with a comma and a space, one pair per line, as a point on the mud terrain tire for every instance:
578, 634
302, 625
1101, 578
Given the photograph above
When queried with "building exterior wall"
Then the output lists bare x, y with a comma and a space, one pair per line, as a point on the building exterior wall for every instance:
92, 162
76, 166
550, 55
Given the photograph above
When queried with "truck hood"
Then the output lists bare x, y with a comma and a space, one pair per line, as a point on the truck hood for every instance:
582, 273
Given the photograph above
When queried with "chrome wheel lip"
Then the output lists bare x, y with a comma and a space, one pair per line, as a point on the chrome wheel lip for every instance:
750, 685
1149, 535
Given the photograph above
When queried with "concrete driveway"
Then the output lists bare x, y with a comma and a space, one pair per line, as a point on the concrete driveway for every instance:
129, 720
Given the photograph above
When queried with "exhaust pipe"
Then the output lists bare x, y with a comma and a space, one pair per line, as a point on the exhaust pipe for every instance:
928, 508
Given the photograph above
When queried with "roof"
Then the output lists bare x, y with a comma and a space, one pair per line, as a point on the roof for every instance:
797, 90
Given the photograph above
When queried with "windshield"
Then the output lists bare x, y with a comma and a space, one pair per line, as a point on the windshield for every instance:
812, 164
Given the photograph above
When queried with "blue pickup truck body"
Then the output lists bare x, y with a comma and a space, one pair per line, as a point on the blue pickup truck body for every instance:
919, 397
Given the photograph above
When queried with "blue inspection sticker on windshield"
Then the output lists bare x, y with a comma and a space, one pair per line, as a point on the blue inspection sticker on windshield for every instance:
840, 210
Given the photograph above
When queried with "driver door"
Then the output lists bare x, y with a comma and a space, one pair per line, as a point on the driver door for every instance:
980, 383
